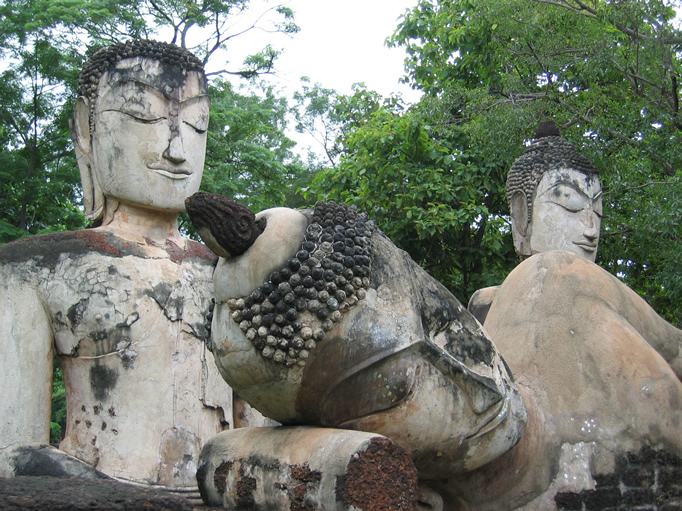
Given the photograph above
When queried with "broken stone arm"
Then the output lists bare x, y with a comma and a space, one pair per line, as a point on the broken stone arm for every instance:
26, 367
26, 373
661, 335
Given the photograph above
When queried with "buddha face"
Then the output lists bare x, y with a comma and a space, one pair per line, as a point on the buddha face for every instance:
149, 138
567, 211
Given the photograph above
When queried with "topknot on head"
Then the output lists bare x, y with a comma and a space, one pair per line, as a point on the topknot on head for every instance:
546, 129
104, 59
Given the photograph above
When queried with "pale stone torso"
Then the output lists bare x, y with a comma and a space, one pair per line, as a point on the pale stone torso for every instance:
129, 324
581, 346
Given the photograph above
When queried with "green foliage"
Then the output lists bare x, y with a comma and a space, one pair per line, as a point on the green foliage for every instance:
434, 175
58, 414
427, 194
316, 114
249, 157
606, 72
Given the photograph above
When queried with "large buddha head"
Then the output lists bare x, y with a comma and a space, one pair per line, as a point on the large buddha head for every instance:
554, 197
139, 127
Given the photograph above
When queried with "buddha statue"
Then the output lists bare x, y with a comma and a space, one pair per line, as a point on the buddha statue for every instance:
321, 321
124, 305
598, 369
555, 201
554, 198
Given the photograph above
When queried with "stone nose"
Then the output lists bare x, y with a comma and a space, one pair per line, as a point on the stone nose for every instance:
175, 152
591, 223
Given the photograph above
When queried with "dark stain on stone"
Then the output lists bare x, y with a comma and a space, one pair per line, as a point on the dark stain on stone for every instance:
202, 475
650, 479
304, 474
88, 424
98, 335
112, 412
43, 460
220, 476
48, 248
59, 318
75, 313
96, 409
104, 426
310, 479
381, 478
300, 493
265, 462
440, 311
172, 307
245, 487
102, 380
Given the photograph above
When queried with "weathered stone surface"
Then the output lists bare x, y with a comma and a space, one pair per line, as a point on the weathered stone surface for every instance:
125, 305
302, 468
139, 406
406, 361
77, 494
590, 358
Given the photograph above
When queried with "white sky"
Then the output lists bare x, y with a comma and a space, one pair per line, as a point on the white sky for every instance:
342, 42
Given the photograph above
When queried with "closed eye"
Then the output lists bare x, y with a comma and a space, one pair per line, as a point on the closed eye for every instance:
197, 128
139, 117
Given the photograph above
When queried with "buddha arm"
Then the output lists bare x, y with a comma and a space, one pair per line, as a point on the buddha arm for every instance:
25, 366
661, 335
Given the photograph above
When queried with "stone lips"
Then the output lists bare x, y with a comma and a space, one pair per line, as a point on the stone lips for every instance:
291, 312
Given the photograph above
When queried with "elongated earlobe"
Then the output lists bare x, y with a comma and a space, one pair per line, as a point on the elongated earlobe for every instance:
520, 223
93, 199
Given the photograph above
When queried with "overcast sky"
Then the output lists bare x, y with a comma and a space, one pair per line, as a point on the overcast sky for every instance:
341, 42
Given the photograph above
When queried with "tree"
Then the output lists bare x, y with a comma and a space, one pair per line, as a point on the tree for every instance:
606, 72
428, 195
249, 157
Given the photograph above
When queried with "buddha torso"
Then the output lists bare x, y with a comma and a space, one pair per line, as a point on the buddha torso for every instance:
128, 322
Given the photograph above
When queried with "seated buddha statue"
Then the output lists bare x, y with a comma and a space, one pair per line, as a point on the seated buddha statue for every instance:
124, 305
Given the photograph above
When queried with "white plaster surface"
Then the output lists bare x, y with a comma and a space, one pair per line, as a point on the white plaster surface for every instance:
143, 392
